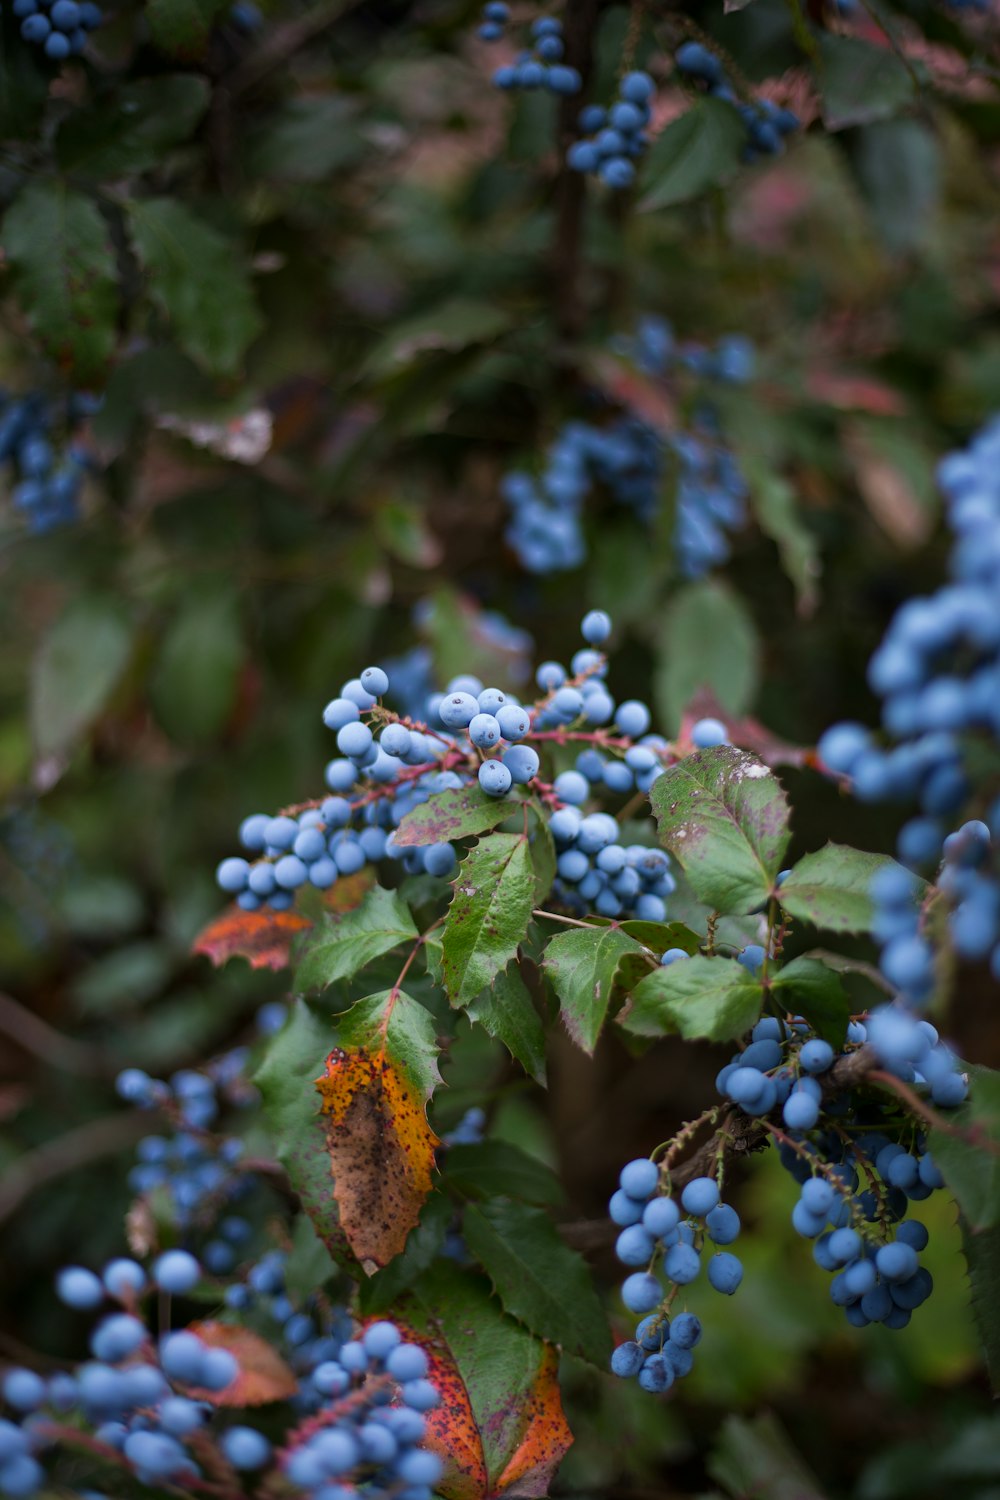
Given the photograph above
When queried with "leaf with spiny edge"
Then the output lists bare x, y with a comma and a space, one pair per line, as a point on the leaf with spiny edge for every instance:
714, 999
265, 938
500, 1426
489, 914
454, 814
263, 1374
507, 1011
831, 888
341, 945
374, 1093
581, 965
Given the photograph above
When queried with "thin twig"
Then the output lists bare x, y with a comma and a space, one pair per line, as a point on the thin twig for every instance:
89, 1142
38, 1037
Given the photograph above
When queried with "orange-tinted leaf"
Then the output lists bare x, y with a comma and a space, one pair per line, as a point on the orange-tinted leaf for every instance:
546, 1437
264, 937
349, 891
263, 1376
451, 1427
381, 1148
748, 733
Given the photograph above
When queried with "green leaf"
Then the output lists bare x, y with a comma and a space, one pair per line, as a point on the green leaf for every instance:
182, 27
131, 129
659, 936
860, 83
395, 1019
982, 1257
195, 682
306, 140
830, 888
308, 1265
807, 988
291, 1111
581, 965
779, 516
724, 817
423, 1247
507, 1011
343, 944
492, 1169
198, 280
65, 275
898, 164
488, 916
543, 855
498, 1361
696, 152
970, 1162
75, 671
711, 998
753, 1456
453, 815
707, 640
447, 328
538, 1278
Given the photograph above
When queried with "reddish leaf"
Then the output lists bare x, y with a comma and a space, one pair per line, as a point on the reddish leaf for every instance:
264, 937
748, 733
854, 393
630, 388
263, 1376
546, 1439
451, 1427
381, 1148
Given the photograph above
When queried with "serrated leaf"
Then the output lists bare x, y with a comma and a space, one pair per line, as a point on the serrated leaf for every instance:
423, 1247
342, 945
982, 1257
263, 1376
75, 671
970, 1162
286, 1079
488, 916
131, 129
265, 938
543, 855
494, 1169
779, 516
830, 888
197, 279
374, 1093
860, 82
453, 815
809, 989
182, 27
711, 998
538, 1278
507, 1011
659, 936
697, 151
707, 640
724, 818
499, 1427
581, 965
65, 275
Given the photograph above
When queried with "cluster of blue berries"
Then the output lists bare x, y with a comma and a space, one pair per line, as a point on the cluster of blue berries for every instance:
540, 67
614, 139
146, 1405
628, 459
45, 483
59, 27
388, 767
653, 1224
936, 672
767, 124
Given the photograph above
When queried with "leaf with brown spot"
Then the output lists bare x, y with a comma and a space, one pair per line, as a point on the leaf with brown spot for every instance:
381, 1149
263, 1376
500, 1426
453, 815
488, 916
264, 938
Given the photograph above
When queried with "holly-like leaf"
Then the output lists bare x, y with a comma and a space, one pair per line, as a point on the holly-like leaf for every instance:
65, 275
130, 130
182, 27
499, 1427
809, 989
374, 1094
453, 815
286, 1079
493, 1169
713, 998
831, 888
508, 1013
263, 1376
538, 1278
77, 667
581, 965
263, 937
724, 817
982, 1257
970, 1160
423, 1247
341, 945
697, 151
488, 916
197, 279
